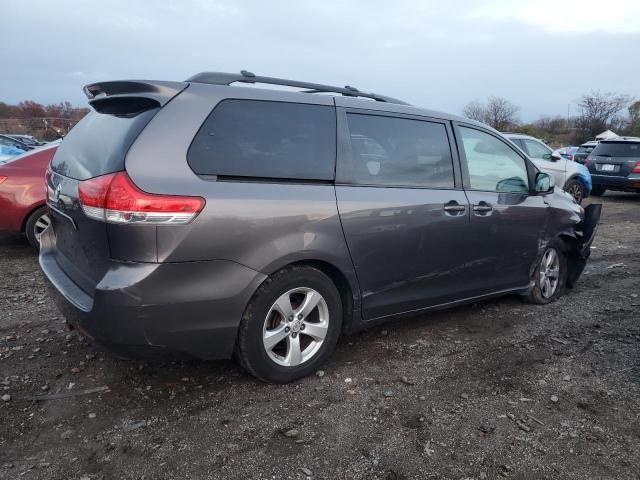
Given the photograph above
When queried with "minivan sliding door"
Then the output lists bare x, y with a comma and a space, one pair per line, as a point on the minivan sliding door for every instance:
404, 215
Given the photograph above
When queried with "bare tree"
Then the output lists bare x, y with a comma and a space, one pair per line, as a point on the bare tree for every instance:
498, 112
475, 111
598, 112
634, 118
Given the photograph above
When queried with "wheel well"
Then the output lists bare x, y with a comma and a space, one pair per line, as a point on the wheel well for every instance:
573, 177
340, 281
28, 215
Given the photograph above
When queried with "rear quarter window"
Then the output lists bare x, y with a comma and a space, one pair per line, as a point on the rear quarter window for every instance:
264, 139
98, 144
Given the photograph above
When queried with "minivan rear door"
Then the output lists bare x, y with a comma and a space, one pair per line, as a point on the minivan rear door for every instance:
403, 213
97, 146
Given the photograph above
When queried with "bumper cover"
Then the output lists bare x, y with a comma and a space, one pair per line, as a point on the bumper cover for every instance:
631, 182
191, 307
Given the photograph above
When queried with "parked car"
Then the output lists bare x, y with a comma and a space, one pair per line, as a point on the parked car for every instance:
584, 150
29, 140
567, 152
218, 220
22, 193
567, 175
615, 165
10, 148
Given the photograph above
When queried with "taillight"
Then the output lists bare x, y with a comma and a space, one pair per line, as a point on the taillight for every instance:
2, 178
586, 162
114, 198
635, 169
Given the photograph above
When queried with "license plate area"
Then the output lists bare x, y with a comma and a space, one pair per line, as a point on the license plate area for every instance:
607, 167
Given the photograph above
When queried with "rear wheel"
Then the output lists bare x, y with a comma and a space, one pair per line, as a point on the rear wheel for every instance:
550, 276
575, 189
36, 224
290, 326
598, 191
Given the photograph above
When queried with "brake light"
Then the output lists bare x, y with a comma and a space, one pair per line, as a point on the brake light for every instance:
635, 169
114, 198
2, 178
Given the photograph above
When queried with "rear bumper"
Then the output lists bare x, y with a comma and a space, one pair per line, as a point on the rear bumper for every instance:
190, 307
629, 183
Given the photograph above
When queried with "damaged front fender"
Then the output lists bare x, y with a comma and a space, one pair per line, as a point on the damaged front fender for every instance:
579, 242
576, 227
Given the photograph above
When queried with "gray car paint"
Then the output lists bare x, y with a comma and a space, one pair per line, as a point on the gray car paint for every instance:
396, 246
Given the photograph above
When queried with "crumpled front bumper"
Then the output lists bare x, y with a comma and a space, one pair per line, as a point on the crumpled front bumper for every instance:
579, 245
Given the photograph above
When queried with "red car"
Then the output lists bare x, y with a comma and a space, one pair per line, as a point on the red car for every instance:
22, 193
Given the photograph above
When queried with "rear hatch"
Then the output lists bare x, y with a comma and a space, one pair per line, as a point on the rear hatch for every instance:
96, 146
614, 158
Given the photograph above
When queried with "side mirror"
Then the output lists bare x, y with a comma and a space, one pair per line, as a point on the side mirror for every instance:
555, 156
544, 183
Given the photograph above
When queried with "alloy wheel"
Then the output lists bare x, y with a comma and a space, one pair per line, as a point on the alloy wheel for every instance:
549, 272
41, 225
575, 191
295, 327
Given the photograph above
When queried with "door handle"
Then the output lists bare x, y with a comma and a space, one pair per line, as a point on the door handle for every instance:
482, 208
453, 208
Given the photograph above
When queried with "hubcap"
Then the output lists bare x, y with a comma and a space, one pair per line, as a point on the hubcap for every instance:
295, 327
41, 225
549, 272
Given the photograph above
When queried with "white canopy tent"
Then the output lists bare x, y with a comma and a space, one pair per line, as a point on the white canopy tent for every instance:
607, 135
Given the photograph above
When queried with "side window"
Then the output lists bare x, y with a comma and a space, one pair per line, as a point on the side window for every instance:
493, 165
399, 152
535, 149
518, 142
253, 138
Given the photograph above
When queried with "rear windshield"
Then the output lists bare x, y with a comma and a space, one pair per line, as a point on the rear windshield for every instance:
620, 149
263, 139
586, 149
98, 144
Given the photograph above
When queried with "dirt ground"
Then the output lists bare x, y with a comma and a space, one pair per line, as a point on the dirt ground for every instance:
500, 389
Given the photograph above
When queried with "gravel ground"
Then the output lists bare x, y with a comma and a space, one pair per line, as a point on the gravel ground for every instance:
500, 389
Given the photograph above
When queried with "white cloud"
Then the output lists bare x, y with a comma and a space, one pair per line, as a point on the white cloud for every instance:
569, 16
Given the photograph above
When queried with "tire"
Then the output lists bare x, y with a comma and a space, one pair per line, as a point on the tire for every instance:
540, 293
598, 191
36, 224
268, 320
575, 188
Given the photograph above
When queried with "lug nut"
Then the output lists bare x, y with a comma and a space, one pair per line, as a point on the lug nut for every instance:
291, 318
294, 334
300, 316
302, 327
286, 329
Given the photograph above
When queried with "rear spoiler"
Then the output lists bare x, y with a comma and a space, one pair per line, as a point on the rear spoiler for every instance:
130, 97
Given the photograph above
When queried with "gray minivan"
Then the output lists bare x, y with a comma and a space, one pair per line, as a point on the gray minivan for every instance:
219, 220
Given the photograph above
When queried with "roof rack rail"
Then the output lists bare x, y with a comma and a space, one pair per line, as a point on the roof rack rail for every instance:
221, 78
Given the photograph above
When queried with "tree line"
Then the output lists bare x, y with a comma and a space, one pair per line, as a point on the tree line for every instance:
45, 122
596, 112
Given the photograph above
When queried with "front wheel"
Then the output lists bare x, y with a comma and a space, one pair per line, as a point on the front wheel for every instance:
550, 276
575, 189
36, 224
290, 326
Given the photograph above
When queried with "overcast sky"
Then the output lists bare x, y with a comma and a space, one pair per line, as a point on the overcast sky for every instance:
540, 54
